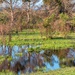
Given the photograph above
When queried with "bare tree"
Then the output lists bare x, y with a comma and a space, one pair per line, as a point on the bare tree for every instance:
9, 8
29, 6
59, 8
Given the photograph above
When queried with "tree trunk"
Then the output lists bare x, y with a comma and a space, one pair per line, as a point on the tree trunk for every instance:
10, 51
10, 37
28, 16
11, 22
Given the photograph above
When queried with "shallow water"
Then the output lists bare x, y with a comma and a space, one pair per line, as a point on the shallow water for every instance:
53, 64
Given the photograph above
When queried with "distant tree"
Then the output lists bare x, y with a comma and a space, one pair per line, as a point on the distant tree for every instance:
73, 24
63, 12
9, 8
29, 6
48, 25
62, 5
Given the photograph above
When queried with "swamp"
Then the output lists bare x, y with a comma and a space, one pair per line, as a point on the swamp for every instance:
37, 37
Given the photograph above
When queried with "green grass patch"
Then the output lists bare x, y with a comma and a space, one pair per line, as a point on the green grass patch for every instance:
62, 71
34, 38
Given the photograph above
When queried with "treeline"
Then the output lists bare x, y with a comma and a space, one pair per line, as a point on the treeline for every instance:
53, 18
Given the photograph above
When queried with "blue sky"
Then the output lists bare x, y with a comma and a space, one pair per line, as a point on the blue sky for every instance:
20, 3
40, 3
37, 4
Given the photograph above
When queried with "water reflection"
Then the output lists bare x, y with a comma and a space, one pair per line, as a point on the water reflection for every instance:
29, 62
54, 64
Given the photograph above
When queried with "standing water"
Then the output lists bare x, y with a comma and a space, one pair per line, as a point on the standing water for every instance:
54, 64
34, 58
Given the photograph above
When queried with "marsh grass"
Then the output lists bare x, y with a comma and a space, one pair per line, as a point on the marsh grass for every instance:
27, 37
62, 71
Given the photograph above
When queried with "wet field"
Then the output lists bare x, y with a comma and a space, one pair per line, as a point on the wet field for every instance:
19, 60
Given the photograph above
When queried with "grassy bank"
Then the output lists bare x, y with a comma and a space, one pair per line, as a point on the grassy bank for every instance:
34, 38
63, 71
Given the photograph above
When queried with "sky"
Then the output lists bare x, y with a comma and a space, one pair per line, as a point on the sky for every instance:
73, 0
37, 4
40, 3
19, 3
